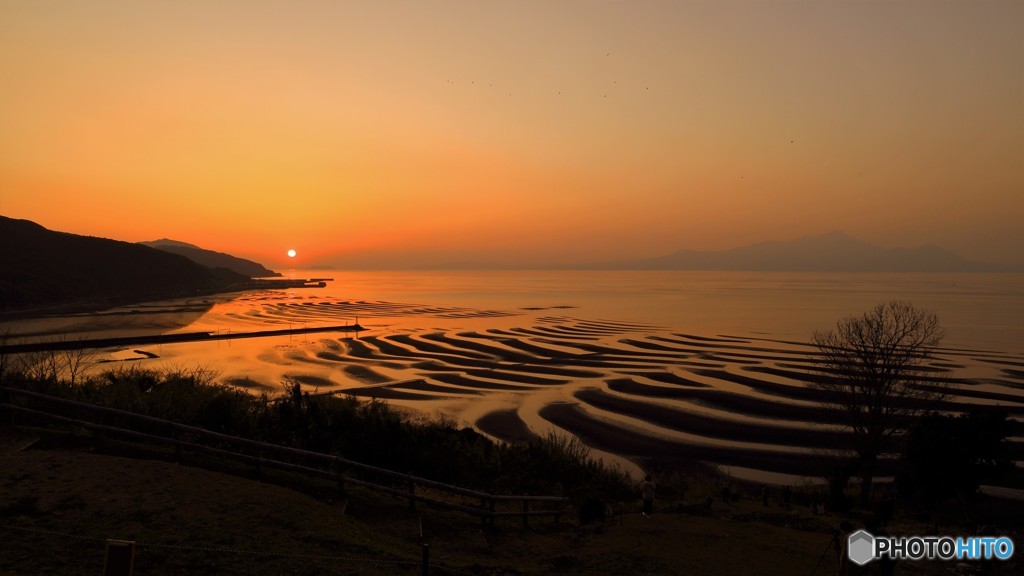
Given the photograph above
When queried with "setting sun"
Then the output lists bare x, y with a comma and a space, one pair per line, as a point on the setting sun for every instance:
291, 253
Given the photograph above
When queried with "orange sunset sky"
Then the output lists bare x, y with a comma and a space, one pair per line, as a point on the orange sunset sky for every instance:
515, 132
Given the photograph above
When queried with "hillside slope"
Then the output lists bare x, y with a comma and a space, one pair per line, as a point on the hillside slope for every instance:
212, 259
40, 268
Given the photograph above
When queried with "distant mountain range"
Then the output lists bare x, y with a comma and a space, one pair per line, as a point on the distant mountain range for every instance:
212, 259
832, 252
40, 268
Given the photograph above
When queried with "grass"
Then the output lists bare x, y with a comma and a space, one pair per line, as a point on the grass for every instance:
367, 432
61, 499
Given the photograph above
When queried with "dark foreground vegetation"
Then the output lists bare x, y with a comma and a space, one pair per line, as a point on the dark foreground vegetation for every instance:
60, 502
369, 432
58, 505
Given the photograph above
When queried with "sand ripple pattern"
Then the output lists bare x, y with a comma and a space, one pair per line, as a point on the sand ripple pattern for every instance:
334, 310
635, 390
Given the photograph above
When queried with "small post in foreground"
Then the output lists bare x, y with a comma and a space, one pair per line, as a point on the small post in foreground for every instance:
120, 557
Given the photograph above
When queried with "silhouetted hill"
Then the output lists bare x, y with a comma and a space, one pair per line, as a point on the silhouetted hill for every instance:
212, 259
40, 267
832, 252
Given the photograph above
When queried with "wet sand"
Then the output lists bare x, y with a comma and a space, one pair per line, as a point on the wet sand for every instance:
634, 390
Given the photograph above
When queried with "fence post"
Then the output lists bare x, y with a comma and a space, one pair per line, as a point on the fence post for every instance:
8, 397
119, 558
98, 440
339, 471
177, 445
426, 559
259, 465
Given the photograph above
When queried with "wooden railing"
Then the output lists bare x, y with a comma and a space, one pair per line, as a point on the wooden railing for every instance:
139, 427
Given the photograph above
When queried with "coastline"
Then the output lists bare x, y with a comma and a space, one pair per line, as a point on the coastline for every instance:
519, 366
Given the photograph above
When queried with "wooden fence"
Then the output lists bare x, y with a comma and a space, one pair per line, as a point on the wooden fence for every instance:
119, 423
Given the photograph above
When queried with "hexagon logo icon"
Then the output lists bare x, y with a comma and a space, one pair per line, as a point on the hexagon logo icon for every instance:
860, 547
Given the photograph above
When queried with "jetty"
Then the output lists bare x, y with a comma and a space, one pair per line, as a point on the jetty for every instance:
172, 338
279, 283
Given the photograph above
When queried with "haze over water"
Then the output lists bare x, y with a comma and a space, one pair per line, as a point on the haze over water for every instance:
977, 310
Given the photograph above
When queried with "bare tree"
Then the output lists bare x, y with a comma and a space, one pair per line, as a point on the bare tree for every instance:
75, 358
61, 358
40, 365
873, 365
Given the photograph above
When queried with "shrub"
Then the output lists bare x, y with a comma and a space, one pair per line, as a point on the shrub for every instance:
364, 431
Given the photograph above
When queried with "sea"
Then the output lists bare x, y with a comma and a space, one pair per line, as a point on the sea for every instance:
976, 310
611, 357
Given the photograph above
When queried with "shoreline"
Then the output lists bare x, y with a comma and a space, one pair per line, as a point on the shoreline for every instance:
633, 390
77, 308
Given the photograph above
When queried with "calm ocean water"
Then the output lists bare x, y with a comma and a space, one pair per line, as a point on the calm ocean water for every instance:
977, 310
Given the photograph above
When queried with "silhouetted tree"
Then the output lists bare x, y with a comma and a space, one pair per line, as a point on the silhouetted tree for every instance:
873, 366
